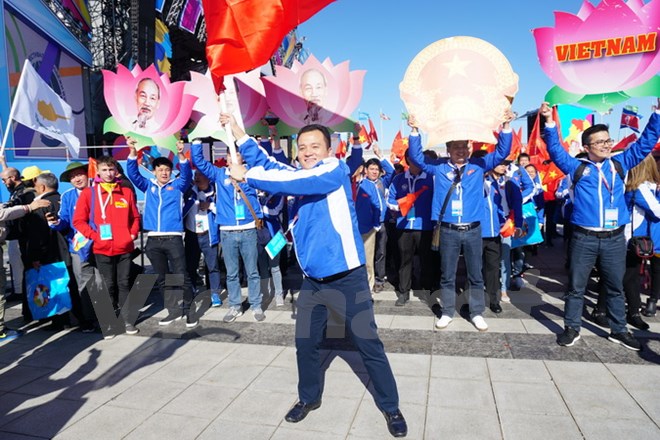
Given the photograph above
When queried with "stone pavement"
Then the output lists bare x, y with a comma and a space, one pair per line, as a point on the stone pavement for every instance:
238, 380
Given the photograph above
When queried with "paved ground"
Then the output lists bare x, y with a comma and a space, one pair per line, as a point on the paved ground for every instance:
238, 380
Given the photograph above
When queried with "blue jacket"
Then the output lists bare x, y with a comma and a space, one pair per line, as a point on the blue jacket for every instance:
191, 198
369, 205
502, 196
272, 207
229, 204
470, 191
65, 225
590, 195
418, 218
644, 205
162, 204
324, 224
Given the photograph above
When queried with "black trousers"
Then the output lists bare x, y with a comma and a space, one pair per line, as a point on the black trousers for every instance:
380, 254
492, 255
167, 256
116, 273
632, 282
411, 243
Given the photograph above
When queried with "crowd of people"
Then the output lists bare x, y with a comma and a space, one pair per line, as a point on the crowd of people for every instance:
354, 225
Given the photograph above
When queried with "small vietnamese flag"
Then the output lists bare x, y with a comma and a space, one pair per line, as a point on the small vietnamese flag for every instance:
91, 168
364, 136
406, 203
372, 131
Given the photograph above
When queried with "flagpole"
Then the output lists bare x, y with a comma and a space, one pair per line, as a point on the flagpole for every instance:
13, 109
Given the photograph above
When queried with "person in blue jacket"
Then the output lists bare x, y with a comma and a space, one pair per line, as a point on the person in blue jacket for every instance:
460, 180
163, 219
201, 236
80, 247
331, 256
599, 216
238, 235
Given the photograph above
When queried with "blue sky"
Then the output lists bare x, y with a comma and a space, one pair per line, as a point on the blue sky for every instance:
383, 37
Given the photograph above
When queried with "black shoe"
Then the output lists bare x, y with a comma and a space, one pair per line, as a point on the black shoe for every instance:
651, 308
300, 411
568, 338
625, 339
131, 329
400, 301
636, 321
378, 287
396, 424
170, 318
496, 308
600, 318
191, 321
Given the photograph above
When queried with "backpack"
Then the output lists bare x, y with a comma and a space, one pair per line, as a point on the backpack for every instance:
580, 170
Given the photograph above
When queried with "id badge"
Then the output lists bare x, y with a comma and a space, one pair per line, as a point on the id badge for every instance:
240, 212
275, 245
105, 231
411, 213
611, 218
456, 208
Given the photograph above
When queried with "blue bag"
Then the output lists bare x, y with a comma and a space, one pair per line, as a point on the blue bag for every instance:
533, 235
48, 290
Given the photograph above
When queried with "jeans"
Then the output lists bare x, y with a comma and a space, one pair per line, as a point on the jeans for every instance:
347, 300
195, 246
269, 270
451, 242
585, 251
243, 244
167, 255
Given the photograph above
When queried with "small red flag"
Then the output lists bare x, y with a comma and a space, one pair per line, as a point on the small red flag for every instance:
372, 131
406, 202
364, 136
91, 168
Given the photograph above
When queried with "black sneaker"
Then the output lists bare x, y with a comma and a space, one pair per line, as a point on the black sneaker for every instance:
625, 339
568, 338
637, 321
600, 318
191, 321
131, 329
170, 318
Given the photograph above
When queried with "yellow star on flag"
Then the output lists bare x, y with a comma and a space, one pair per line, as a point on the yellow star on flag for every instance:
405, 141
363, 139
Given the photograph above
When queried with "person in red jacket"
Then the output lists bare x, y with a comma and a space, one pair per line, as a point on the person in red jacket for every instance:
107, 214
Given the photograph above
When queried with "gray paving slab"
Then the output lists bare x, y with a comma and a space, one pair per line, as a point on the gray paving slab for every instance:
259, 407
459, 393
613, 428
462, 424
169, 426
202, 401
526, 426
107, 422
529, 398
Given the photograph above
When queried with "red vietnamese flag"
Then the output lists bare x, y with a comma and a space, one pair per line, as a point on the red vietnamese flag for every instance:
372, 131
399, 145
91, 168
406, 202
341, 149
516, 144
364, 136
243, 35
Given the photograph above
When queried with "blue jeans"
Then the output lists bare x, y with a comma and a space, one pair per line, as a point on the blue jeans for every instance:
243, 244
197, 245
585, 250
451, 242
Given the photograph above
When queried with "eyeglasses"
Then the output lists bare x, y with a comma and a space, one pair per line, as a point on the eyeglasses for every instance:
602, 143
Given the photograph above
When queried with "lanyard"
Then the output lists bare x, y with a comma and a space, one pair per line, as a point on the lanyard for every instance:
604, 179
103, 204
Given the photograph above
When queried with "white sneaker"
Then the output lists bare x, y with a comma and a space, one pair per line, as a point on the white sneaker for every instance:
480, 323
444, 321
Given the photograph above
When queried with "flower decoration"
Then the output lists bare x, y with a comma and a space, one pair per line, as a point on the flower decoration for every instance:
314, 92
604, 54
459, 88
146, 106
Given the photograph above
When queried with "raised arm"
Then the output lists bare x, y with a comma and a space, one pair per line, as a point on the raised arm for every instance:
559, 156
504, 141
204, 166
185, 178
132, 169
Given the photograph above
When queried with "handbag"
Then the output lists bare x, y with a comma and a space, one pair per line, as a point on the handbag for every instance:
435, 238
641, 246
47, 290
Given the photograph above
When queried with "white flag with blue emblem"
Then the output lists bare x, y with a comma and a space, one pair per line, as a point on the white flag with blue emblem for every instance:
37, 106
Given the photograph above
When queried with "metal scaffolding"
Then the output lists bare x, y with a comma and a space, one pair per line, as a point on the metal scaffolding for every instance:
112, 33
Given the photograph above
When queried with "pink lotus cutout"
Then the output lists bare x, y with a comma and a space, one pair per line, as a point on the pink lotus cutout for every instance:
251, 99
146, 105
604, 74
314, 92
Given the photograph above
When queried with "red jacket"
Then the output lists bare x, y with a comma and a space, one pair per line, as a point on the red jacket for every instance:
121, 212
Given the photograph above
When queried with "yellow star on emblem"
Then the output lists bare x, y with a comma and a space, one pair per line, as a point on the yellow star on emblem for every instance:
457, 66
